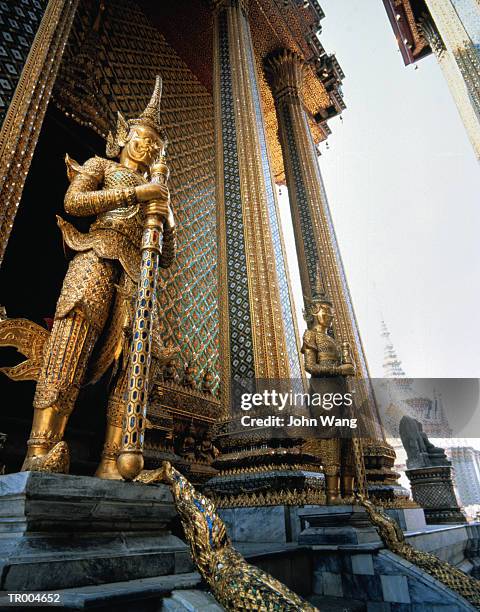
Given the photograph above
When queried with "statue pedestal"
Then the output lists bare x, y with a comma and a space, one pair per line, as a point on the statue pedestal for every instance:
342, 524
305, 525
262, 506
432, 489
60, 531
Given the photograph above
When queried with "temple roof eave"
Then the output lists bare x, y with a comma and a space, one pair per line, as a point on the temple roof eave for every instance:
275, 24
404, 16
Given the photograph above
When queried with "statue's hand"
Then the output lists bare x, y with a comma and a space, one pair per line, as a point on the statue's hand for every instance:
164, 209
347, 369
152, 191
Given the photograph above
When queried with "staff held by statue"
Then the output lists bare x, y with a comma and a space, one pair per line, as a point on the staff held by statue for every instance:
130, 459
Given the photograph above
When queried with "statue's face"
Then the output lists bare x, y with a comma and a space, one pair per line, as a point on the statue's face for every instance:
324, 315
144, 145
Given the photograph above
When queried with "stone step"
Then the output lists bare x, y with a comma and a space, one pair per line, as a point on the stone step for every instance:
337, 604
191, 601
132, 595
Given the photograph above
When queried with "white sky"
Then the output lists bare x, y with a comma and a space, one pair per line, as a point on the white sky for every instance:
404, 191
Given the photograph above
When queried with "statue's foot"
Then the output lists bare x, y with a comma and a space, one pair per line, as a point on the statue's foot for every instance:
108, 470
333, 499
57, 460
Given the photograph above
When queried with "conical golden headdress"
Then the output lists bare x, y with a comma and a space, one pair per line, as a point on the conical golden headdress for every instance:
319, 295
151, 114
150, 117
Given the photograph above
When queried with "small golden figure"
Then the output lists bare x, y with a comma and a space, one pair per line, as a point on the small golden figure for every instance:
328, 363
347, 353
189, 376
189, 444
206, 451
208, 381
100, 286
170, 371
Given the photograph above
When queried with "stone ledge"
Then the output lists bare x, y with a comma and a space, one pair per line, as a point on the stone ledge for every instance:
38, 501
59, 531
116, 593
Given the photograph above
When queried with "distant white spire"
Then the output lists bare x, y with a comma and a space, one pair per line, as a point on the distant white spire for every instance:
392, 366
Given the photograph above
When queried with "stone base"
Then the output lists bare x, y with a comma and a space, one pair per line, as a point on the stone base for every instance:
60, 531
142, 595
282, 524
444, 516
409, 519
272, 524
432, 489
343, 524
388, 493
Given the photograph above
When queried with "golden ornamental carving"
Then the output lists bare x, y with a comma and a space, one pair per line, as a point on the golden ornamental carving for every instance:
285, 71
57, 460
29, 339
280, 497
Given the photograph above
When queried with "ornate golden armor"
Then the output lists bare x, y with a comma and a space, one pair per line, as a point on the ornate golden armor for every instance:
99, 288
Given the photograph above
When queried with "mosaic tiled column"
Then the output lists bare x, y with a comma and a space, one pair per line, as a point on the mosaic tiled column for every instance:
315, 239
24, 118
317, 249
258, 330
454, 35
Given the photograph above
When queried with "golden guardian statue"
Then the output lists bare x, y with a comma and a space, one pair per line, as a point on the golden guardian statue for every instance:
329, 363
93, 323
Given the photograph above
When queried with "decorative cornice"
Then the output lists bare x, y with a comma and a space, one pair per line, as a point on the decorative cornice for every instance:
285, 72
271, 498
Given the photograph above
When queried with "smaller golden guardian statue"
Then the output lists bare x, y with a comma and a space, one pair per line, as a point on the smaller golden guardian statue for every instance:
99, 291
328, 363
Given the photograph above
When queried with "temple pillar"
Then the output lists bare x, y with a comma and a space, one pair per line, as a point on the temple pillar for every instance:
318, 253
258, 335
21, 128
453, 33
317, 249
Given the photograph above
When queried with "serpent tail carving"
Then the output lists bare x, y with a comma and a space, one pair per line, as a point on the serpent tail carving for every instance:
394, 539
236, 584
